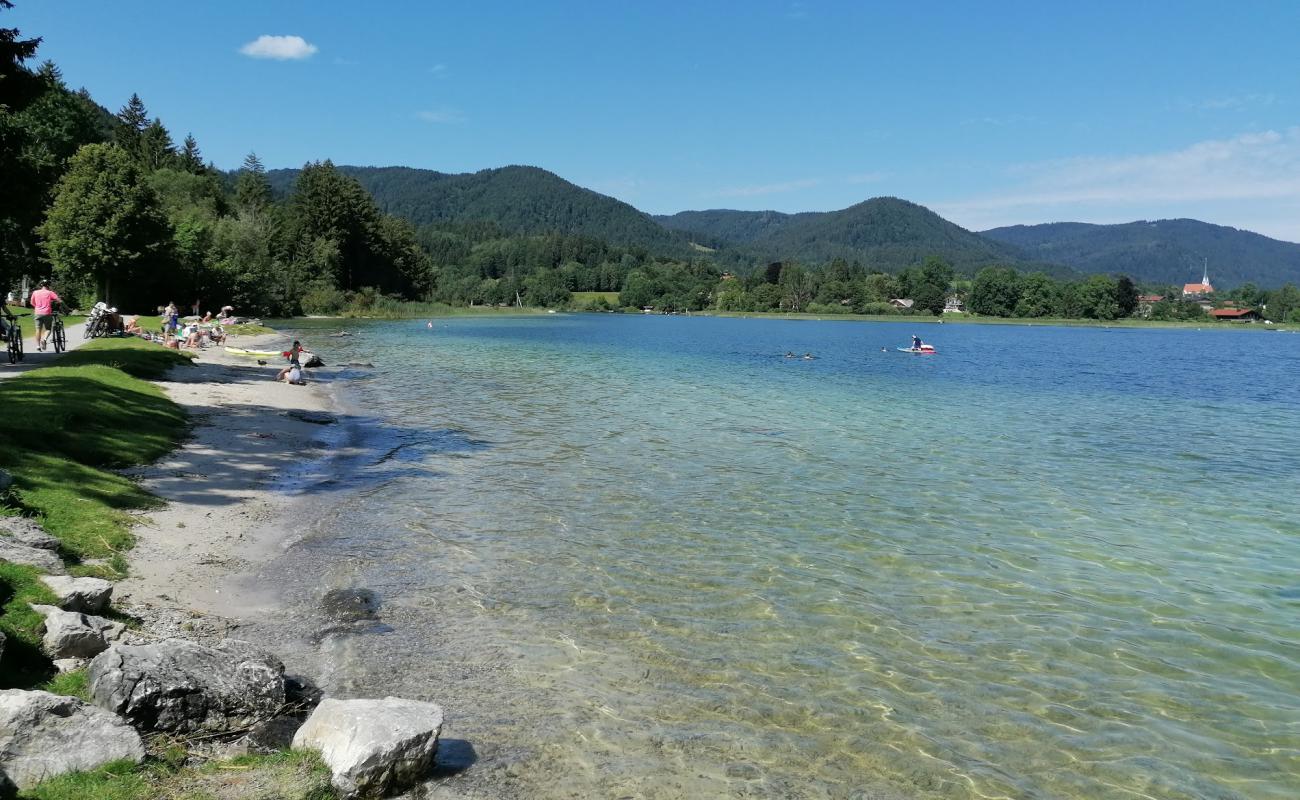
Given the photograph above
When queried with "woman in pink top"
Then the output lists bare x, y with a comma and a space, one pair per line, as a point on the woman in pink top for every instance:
43, 300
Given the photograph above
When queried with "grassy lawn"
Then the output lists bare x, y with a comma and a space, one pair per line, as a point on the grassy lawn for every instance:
28, 324
581, 299
282, 776
247, 329
67, 426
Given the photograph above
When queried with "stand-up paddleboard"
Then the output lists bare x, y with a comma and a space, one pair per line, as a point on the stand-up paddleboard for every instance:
923, 350
239, 351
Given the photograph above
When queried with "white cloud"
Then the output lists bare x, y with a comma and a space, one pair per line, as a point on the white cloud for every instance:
438, 69
441, 115
280, 48
1237, 178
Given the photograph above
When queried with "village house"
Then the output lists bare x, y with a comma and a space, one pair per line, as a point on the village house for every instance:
1236, 315
1146, 302
953, 305
901, 303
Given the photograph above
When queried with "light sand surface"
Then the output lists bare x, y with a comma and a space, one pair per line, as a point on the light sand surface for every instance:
229, 488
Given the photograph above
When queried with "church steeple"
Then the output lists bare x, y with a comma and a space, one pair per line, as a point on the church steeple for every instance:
1205, 279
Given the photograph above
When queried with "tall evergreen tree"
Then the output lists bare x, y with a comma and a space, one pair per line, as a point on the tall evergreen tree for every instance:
252, 189
18, 87
135, 119
156, 149
190, 159
20, 195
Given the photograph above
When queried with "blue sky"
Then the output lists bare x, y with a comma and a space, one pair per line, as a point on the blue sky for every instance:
990, 113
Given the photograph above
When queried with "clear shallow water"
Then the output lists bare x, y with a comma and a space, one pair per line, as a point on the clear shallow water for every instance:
648, 556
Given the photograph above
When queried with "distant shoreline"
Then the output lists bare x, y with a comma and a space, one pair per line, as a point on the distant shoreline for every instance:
966, 319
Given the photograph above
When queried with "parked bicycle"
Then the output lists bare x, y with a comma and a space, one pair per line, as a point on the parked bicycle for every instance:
13, 339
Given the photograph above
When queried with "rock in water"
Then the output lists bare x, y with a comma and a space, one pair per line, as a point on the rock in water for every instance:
373, 747
349, 605
43, 735
90, 595
181, 686
71, 634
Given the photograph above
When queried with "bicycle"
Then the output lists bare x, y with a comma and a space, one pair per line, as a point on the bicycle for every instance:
57, 335
13, 339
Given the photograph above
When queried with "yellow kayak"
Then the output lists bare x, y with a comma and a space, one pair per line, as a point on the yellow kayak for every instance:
239, 351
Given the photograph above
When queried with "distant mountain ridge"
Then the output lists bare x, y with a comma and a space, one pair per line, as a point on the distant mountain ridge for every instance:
520, 199
882, 233
1168, 251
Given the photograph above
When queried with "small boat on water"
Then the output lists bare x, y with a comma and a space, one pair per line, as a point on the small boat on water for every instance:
923, 350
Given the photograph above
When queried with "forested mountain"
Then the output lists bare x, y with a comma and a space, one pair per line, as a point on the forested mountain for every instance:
1170, 251
517, 199
883, 232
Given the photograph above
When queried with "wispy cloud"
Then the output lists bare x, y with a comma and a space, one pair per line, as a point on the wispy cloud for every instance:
280, 48
1259, 168
768, 188
441, 116
438, 69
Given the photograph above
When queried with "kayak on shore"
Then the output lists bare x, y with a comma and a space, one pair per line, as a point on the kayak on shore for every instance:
239, 351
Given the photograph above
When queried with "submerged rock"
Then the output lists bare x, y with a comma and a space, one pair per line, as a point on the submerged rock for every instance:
43, 735
72, 634
90, 595
373, 747
350, 605
178, 685
312, 417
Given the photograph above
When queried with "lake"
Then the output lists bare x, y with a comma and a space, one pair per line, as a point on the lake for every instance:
639, 556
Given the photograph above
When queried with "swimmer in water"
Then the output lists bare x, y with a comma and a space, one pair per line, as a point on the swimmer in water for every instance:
790, 354
429, 325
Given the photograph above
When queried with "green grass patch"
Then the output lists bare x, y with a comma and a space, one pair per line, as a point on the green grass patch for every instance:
24, 665
28, 323
247, 329
280, 776
581, 299
132, 355
74, 684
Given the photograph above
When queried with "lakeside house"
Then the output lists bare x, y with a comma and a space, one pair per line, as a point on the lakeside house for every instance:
901, 303
1146, 302
953, 305
1236, 315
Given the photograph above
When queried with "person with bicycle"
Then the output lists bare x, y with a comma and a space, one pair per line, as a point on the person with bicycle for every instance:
42, 302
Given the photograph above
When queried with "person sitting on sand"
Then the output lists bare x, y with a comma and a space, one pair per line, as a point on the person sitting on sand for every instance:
292, 355
133, 327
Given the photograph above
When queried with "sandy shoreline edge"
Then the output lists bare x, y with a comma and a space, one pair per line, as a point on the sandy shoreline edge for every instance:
228, 492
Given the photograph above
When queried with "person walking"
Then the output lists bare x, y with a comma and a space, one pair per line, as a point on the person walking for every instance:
43, 300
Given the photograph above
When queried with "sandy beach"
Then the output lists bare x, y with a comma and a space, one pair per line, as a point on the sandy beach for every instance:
226, 489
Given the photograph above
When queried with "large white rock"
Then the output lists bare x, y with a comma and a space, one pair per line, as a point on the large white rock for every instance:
71, 634
25, 531
90, 595
12, 549
43, 735
373, 747
182, 686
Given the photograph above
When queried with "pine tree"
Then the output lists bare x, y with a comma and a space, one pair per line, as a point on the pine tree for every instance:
252, 189
18, 87
190, 159
156, 149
